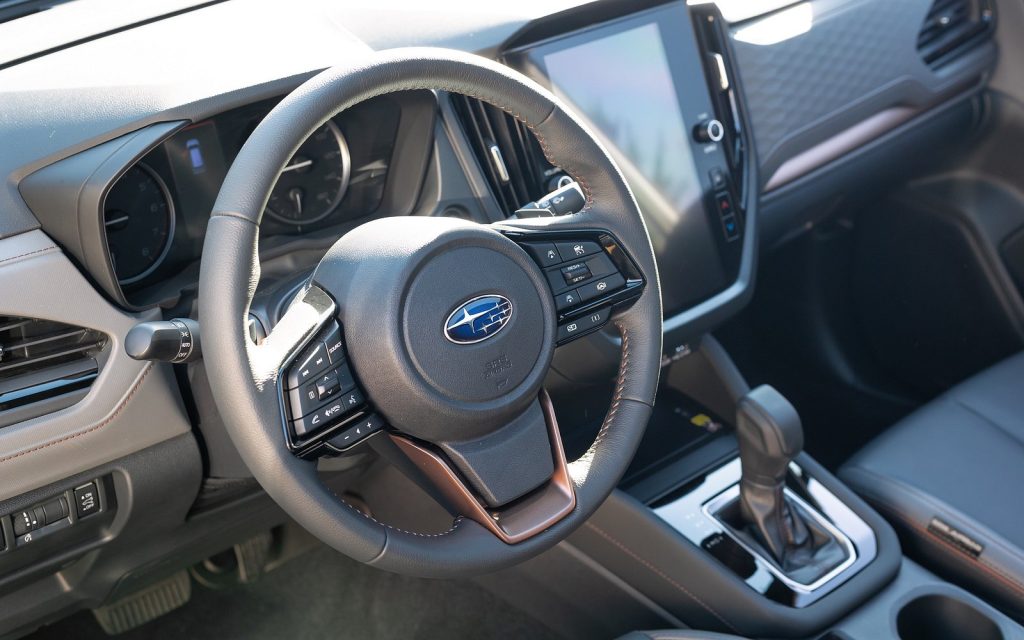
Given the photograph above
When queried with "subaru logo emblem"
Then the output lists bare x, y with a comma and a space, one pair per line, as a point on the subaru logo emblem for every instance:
478, 319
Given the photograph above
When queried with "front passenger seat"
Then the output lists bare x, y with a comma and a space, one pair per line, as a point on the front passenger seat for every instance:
950, 478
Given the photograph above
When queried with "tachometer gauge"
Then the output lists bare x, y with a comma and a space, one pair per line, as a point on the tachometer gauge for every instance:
314, 181
138, 217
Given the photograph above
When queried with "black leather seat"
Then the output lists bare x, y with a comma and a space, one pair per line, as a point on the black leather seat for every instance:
950, 478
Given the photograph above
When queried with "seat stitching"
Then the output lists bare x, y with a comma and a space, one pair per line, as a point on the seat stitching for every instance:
999, 427
664, 576
956, 552
992, 537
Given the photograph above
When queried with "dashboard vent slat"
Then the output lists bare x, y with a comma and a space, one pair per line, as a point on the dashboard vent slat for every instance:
951, 28
27, 344
508, 153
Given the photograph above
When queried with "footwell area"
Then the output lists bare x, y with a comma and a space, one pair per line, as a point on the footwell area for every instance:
323, 594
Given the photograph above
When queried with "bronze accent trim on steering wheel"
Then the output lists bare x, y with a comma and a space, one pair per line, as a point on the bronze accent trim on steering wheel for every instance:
525, 518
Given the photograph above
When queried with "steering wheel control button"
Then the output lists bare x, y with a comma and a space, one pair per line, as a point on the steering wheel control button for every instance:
601, 286
335, 344
583, 325
87, 500
319, 419
576, 250
367, 425
575, 273
328, 385
567, 299
309, 364
544, 253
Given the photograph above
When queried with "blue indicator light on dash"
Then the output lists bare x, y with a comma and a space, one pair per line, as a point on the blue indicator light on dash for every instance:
195, 154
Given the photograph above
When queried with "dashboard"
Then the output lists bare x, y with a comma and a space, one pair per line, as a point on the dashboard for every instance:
729, 140
155, 213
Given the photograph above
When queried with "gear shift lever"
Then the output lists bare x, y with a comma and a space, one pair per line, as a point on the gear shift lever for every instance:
770, 436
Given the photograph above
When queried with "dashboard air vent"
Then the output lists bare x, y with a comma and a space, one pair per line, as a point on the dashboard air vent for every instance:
508, 153
40, 359
951, 27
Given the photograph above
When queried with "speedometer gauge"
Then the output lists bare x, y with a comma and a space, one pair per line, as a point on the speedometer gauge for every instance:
314, 181
138, 218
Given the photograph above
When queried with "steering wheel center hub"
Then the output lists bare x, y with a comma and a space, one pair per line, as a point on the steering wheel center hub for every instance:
455, 328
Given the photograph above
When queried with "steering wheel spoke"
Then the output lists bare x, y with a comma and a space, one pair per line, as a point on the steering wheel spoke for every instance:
536, 509
324, 410
590, 274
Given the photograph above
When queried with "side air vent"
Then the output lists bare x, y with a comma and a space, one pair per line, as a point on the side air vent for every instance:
40, 359
508, 153
952, 27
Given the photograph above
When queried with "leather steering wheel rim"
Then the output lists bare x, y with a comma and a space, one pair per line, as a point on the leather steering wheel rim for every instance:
243, 375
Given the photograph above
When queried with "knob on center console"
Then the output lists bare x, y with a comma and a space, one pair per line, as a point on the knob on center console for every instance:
710, 130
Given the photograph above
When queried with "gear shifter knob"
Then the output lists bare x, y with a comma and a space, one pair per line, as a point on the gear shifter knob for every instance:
770, 435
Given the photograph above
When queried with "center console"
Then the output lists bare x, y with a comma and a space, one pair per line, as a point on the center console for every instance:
655, 86
741, 532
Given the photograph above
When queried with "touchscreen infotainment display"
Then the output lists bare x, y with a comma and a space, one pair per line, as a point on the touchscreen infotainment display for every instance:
638, 84
623, 85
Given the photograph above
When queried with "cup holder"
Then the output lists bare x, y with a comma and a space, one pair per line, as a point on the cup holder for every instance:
941, 617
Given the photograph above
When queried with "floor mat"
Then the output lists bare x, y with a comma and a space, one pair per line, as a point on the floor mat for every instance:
321, 595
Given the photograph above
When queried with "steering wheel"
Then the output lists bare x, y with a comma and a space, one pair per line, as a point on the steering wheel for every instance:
446, 329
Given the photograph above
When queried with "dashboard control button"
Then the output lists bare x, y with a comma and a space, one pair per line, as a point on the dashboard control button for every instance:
25, 521
87, 500
309, 364
55, 510
567, 299
601, 286
583, 324
576, 250
710, 130
575, 273
544, 253
719, 181
730, 227
335, 344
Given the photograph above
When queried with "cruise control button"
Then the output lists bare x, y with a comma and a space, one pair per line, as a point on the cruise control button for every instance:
601, 265
575, 272
584, 324
567, 299
87, 501
601, 286
309, 364
544, 253
577, 250
335, 344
